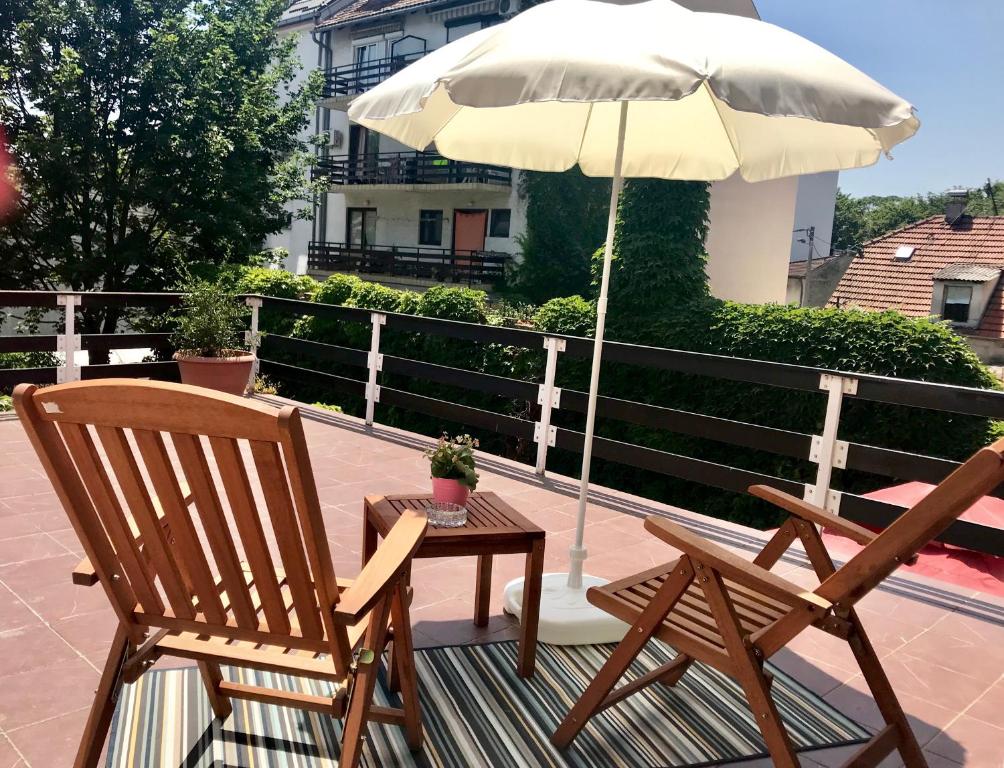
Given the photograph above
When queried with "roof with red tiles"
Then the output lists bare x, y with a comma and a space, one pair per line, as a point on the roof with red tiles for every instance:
797, 268
877, 280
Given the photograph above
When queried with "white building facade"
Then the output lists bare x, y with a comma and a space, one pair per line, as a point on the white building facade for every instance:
412, 219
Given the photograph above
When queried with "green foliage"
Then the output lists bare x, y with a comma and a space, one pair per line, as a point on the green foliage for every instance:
6, 404
274, 282
658, 260
408, 302
569, 315
148, 135
566, 217
10, 360
328, 407
857, 220
209, 321
374, 296
463, 304
336, 289
453, 459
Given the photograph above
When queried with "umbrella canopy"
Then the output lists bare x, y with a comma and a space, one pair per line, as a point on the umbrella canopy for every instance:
648, 89
710, 94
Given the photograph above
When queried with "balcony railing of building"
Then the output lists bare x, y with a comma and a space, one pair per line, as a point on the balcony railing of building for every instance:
440, 264
407, 168
379, 379
352, 79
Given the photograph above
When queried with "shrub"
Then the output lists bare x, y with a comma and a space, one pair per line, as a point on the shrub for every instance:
374, 296
275, 282
570, 315
464, 304
336, 289
408, 302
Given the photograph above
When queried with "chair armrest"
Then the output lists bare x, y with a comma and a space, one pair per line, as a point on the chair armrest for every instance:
84, 574
384, 570
812, 513
734, 567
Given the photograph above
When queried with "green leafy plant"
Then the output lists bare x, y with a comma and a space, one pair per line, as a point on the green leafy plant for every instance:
209, 323
453, 459
6, 404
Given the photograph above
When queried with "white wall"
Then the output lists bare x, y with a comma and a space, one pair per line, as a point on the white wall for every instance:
817, 193
297, 237
749, 239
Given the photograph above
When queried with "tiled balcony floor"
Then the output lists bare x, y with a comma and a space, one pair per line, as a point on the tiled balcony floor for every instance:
942, 647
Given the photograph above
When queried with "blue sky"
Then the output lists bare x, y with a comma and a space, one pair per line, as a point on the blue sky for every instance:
944, 56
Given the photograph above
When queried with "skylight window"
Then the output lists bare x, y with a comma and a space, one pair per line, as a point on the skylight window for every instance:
904, 252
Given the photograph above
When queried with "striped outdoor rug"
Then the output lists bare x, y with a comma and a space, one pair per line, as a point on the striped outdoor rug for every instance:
476, 712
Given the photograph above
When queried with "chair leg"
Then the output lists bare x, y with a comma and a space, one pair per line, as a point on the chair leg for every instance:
403, 664
363, 686
885, 696
100, 717
627, 650
748, 671
211, 678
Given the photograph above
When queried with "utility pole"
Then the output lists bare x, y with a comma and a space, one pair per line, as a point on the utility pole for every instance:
810, 238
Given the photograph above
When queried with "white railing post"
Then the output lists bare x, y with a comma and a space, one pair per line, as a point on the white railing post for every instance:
252, 338
375, 364
827, 451
548, 397
68, 342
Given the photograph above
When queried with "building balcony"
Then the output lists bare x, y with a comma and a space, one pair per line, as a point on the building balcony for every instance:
410, 171
343, 83
438, 265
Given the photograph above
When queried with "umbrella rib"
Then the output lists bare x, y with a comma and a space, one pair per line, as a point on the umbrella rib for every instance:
721, 119
585, 129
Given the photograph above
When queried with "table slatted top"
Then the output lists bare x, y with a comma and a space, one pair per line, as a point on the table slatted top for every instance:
488, 517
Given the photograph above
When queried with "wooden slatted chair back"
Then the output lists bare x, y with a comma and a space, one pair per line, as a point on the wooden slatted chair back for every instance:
155, 477
917, 526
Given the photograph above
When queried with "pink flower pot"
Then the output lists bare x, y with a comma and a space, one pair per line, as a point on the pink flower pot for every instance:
449, 490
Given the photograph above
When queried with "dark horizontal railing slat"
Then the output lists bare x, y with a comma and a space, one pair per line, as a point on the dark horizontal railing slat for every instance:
163, 370
419, 262
40, 343
11, 377
458, 414
339, 383
738, 433
346, 355
459, 377
961, 533
683, 467
124, 340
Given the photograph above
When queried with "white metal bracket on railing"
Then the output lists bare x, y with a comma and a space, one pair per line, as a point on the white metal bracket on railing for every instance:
68, 342
374, 362
253, 338
826, 450
548, 398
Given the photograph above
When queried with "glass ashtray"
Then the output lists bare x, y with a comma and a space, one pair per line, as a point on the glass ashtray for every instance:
444, 514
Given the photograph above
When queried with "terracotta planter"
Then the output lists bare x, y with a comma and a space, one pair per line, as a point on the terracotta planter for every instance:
226, 374
449, 490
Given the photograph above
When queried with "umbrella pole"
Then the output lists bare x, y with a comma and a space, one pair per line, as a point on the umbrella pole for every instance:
577, 552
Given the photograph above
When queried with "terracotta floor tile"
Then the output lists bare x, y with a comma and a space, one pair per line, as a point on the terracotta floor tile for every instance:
990, 706
51, 744
90, 634
34, 546
31, 648
46, 692
9, 758
971, 742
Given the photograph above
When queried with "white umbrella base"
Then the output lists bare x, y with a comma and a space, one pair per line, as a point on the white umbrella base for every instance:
566, 617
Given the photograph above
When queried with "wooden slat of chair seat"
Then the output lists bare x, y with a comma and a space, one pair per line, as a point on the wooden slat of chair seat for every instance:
165, 548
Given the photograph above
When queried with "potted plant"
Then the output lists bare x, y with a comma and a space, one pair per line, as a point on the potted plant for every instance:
209, 354
453, 475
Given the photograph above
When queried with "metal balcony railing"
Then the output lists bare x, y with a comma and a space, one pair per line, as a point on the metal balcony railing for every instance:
442, 264
407, 168
352, 79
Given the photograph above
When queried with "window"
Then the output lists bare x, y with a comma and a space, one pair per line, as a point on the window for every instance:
360, 226
430, 228
957, 301
500, 223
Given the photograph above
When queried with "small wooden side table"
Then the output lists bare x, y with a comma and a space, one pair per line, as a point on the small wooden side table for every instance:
493, 528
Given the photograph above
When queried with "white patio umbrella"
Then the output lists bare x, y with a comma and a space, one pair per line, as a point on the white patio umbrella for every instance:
648, 89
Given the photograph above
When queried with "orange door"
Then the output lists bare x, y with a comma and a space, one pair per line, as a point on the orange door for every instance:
468, 233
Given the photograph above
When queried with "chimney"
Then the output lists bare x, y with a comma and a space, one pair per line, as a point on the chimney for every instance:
955, 205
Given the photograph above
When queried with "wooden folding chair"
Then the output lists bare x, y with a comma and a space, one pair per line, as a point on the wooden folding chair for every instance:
732, 614
122, 455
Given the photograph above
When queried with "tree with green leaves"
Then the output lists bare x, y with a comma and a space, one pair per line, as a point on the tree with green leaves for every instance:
148, 134
857, 220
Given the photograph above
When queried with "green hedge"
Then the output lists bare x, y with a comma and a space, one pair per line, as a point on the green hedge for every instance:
881, 343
